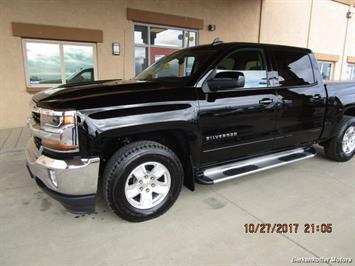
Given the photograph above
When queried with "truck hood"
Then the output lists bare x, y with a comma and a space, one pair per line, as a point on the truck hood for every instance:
107, 93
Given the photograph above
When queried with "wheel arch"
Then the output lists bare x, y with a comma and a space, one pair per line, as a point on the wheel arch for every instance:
335, 114
350, 111
183, 141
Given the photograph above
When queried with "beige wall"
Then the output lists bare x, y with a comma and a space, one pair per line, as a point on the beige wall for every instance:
285, 22
109, 16
350, 44
318, 24
328, 26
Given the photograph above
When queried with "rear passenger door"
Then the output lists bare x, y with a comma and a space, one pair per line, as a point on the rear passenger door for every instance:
301, 99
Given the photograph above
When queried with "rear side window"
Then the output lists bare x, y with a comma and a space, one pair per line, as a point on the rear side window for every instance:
294, 68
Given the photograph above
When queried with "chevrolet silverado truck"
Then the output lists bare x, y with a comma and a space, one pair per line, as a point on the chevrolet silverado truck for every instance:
204, 115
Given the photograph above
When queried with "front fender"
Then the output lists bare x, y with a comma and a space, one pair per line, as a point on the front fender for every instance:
120, 122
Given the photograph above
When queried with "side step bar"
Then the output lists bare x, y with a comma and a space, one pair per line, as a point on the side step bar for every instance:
234, 170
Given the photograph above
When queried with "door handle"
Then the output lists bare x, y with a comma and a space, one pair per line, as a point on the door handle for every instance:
316, 97
266, 101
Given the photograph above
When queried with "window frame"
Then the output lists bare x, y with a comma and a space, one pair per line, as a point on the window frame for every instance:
332, 66
148, 45
61, 54
352, 65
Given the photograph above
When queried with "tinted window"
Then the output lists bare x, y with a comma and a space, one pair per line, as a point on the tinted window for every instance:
87, 76
250, 63
294, 68
82, 76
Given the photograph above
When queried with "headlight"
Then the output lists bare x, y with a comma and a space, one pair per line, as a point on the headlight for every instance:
51, 121
56, 121
56, 129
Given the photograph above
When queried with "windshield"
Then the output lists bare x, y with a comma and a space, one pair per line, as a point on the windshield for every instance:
182, 65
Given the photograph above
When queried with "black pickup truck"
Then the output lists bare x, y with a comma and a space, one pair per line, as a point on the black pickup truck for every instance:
205, 114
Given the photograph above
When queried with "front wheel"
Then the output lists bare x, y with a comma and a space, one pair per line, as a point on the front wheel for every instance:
341, 147
142, 180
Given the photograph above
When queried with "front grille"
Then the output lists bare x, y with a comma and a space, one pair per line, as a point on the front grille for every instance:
36, 117
38, 142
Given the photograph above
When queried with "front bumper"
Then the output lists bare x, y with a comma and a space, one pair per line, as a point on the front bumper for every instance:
72, 182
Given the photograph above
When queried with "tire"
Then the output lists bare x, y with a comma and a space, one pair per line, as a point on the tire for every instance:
134, 160
334, 147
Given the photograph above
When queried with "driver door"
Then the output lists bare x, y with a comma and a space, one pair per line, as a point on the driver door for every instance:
239, 122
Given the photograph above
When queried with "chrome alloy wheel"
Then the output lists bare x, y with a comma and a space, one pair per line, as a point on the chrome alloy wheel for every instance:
147, 185
349, 140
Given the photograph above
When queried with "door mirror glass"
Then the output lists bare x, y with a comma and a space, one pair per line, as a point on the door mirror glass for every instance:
226, 80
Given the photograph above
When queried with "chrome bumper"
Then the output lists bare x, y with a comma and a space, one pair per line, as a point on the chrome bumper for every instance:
71, 177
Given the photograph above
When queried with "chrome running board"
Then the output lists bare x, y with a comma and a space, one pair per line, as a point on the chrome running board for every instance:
234, 170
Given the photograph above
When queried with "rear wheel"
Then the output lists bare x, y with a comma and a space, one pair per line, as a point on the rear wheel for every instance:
142, 180
341, 147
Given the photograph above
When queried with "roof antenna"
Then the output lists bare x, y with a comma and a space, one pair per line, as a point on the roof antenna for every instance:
216, 41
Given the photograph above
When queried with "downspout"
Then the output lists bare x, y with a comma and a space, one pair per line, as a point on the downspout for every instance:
260, 17
309, 24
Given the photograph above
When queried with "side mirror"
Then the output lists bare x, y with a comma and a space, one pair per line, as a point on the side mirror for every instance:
226, 80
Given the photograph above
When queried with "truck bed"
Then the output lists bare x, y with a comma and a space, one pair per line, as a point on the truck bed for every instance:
343, 90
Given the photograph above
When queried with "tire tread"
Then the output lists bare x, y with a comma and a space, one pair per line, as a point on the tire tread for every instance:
116, 161
332, 149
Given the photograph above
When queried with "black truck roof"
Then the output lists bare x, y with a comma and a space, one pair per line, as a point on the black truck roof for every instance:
228, 45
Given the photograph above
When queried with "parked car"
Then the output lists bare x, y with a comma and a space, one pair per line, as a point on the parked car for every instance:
83, 75
205, 114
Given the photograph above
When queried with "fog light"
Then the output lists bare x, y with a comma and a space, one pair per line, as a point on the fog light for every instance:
53, 178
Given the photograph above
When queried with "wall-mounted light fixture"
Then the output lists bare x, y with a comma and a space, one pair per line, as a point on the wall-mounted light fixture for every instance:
212, 27
115, 48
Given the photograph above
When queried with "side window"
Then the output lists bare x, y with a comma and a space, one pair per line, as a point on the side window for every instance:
82, 76
250, 63
87, 75
294, 68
